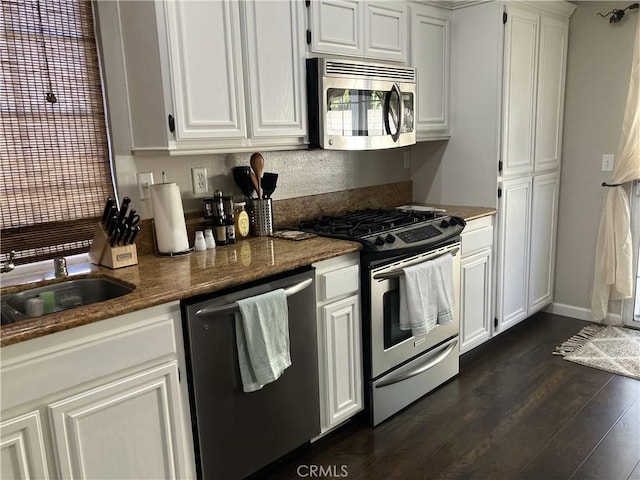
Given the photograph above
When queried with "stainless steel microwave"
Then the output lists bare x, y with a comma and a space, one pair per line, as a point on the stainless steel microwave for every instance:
360, 106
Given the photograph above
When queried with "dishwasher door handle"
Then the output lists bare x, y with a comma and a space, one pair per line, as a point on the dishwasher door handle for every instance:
233, 307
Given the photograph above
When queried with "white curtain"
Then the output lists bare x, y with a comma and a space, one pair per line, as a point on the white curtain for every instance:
613, 276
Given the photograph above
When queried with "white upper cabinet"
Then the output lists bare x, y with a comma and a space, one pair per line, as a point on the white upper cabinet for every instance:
274, 59
535, 58
336, 27
385, 30
519, 90
206, 69
554, 32
212, 76
373, 30
430, 34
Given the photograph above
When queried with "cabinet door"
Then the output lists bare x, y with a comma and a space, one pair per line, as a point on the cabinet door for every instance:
385, 31
550, 97
274, 32
430, 55
22, 448
544, 219
341, 354
475, 311
519, 89
513, 258
126, 429
337, 27
206, 69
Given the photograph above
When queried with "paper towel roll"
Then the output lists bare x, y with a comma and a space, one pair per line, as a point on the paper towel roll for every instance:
168, 218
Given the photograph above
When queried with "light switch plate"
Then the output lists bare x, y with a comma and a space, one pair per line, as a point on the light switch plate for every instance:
607, 162
145, 180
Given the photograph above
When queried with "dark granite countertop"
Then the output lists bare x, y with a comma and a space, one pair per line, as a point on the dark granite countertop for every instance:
159, 280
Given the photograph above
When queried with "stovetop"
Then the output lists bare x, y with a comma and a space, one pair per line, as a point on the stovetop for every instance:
389, 230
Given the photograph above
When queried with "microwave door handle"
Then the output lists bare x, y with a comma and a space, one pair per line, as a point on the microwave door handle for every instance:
233, 307
400, 111
395, 89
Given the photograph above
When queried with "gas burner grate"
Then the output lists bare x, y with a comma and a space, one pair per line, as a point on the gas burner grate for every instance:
358, 223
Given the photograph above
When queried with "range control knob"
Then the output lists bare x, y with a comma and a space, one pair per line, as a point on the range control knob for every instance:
379, 240
444, 223
390, 238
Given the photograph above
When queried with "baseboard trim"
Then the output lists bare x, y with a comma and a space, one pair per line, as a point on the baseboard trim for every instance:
579, 312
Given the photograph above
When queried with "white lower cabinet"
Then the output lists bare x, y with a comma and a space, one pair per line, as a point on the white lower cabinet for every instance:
125, 429
99, 401
476, 283
527, 233
339, 340
513, 252
544, 220
22, 447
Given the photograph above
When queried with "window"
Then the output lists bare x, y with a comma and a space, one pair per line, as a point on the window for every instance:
54, 153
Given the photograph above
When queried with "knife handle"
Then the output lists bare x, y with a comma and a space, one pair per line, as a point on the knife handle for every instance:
107, 208
113, 211
112, 224
123, 209
134, 234
114, 237
123, 231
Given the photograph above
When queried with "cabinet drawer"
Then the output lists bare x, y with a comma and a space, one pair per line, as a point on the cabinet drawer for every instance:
477, 240
53, 363
339, 282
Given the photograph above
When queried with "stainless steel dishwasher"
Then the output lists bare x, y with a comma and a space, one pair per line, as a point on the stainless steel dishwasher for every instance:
237, 433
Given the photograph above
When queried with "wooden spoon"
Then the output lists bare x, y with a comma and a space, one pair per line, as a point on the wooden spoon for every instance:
257, 165
256, 182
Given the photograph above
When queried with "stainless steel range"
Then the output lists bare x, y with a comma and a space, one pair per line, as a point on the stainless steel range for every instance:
399, 367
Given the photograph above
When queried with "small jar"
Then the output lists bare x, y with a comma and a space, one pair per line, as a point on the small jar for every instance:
229, 220
209, 241
241, 220
200, 243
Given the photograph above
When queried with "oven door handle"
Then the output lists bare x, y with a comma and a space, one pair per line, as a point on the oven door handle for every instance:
233, 307
445, 349
399, 271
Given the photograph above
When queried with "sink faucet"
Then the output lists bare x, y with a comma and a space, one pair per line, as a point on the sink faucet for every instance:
8, 264
60, 267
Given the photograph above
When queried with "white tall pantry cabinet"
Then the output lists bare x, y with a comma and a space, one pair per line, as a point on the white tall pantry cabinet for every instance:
535, 58
507, 70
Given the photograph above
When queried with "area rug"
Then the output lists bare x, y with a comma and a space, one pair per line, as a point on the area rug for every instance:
609, 348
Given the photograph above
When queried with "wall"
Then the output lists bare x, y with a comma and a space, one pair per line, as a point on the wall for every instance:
599, 64
301, 172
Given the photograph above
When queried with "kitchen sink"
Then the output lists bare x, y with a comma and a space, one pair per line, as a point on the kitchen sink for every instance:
60, 296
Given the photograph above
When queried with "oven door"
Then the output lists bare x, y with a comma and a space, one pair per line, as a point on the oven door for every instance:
391, 346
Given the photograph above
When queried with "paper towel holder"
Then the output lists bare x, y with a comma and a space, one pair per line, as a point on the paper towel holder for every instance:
166, 254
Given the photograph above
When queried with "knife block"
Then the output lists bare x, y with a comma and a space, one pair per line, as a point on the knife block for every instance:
101, 253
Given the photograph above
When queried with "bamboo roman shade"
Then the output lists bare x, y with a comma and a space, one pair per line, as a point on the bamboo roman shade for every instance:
54, 155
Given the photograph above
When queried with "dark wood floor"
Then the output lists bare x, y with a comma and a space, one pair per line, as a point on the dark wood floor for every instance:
515, 411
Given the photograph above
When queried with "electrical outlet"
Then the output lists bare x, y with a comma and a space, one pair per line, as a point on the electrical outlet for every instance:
145, 180
607, 162
199, 180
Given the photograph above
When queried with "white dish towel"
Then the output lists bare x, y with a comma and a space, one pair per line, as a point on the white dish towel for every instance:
426, 295
262, 339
